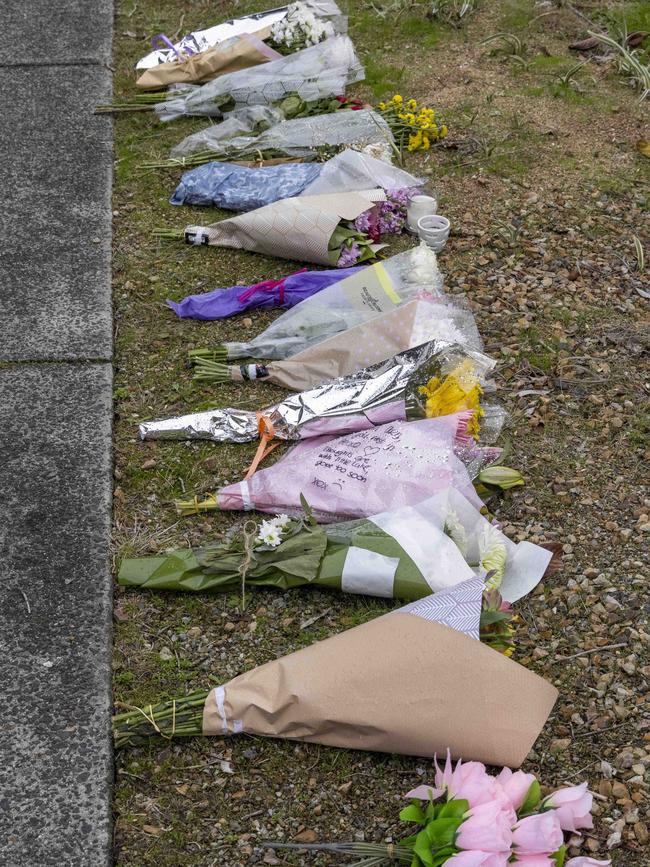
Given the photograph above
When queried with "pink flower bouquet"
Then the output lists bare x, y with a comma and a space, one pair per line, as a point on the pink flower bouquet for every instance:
469, 818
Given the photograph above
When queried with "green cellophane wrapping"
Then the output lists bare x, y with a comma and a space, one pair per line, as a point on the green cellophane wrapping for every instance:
314, 555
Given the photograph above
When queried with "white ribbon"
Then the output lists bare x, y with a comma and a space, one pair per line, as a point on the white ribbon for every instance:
220, 701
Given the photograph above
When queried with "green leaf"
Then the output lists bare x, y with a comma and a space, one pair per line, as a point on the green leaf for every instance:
442, 832
309, 512
431, 811
454, 809
422, 849
443, 855
413, 813
532, 799
560, 856
489, 617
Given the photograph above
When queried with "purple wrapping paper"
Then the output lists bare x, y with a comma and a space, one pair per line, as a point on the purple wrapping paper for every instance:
287, 292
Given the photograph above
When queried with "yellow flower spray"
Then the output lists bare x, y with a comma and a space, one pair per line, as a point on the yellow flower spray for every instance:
456, 392
413, 128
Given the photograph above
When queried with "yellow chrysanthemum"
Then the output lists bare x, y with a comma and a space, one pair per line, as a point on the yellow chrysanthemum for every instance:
415, 141
458, 391
397, 99
412, 105
443, 131
425, 143
382, 106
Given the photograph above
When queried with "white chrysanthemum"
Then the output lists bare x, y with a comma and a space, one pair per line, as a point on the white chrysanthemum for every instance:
492, 555
281, 521
456, 532
269, 534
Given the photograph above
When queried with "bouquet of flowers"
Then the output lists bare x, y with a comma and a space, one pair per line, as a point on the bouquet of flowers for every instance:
348, 352
351, 691
238, 52
384, 392
285, 292
350, 301
355, 475
316, 73
309, 228
404, 553
259, 23
413, 128
320, 71
469, 818
237, 188
298, 29
263, 130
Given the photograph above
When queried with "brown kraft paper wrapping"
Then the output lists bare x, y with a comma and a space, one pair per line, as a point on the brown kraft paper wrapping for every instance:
398, 684
240, 52
348, 351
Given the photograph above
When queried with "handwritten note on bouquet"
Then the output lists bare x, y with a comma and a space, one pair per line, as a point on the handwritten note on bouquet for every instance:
360, 474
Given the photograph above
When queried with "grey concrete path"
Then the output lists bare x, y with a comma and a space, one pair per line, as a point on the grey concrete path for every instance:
55, 430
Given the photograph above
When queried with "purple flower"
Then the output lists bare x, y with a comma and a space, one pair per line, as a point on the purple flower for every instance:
349, 255
362, 222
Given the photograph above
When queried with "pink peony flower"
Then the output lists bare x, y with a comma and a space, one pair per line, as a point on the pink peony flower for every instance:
470, 782
487, 829
572, 807
515, 786
540, 833
478, 859
584, 861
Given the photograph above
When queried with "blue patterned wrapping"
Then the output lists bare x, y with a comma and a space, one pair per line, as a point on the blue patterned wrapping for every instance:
237, 188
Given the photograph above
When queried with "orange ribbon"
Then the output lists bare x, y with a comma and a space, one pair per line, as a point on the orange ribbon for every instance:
267, 433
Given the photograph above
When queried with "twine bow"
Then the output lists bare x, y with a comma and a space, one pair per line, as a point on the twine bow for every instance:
267, 433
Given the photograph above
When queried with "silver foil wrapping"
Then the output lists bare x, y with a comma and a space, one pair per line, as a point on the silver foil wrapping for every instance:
380, 385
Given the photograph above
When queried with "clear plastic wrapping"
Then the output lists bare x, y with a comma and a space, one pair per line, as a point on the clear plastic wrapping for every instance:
349, 302
317, 72
293, 138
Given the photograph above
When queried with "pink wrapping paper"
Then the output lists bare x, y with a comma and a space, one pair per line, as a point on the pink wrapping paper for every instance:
360, 474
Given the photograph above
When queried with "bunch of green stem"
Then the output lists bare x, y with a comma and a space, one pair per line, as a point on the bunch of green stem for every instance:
207, 156
140, 102
176, 718
207, 370
373, 854
219, 353
185, 508
169, 234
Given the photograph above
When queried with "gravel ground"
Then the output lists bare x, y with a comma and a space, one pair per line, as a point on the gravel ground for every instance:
545, 191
